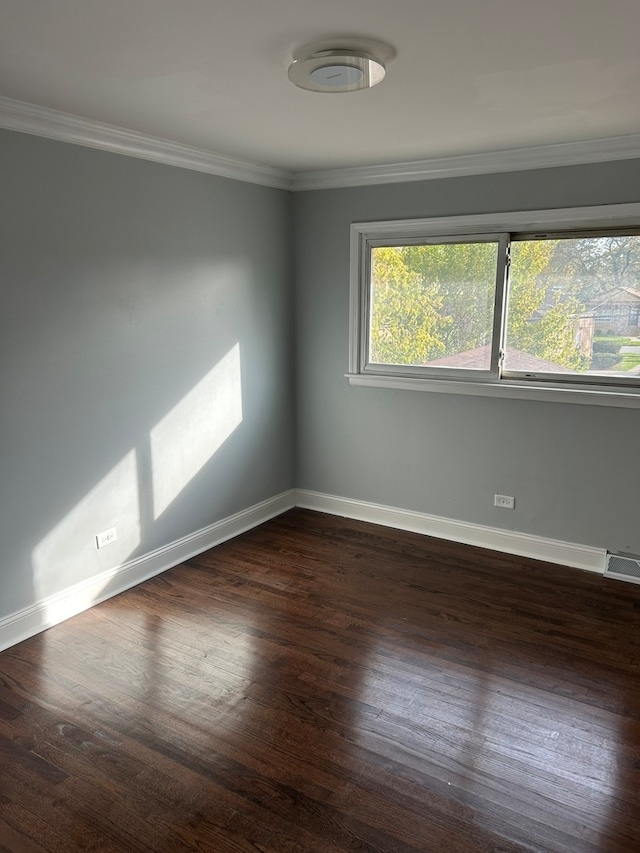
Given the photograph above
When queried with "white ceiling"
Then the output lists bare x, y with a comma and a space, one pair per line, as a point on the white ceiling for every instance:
468, 76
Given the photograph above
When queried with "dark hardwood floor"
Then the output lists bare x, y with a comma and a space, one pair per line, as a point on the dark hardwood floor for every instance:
325, 685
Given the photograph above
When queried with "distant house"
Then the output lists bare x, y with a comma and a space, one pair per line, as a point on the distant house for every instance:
617, 310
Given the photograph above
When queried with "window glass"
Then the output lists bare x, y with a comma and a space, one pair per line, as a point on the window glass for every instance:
432, 305
574, 306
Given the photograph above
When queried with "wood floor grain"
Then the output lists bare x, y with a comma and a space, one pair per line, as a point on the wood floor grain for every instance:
319, 684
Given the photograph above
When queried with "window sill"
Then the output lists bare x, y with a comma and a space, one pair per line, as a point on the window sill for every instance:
541, 392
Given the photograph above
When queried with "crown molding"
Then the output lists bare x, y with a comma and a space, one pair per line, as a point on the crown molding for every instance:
511, 160
64, 127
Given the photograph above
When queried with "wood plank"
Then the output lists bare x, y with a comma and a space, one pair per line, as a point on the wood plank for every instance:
319, 684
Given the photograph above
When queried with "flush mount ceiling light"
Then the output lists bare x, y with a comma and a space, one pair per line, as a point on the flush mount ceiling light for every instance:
337, 70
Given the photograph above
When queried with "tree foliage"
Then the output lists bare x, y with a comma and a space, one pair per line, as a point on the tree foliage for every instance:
589, 267
537, 324
465, 275
407, 318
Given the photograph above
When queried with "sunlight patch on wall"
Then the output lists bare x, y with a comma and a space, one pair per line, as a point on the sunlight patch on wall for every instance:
190, 434
67, 554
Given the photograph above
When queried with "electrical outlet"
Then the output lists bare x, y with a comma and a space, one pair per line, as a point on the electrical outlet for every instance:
504, 501
106, 537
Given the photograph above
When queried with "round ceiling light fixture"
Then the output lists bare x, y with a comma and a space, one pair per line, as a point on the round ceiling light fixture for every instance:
337, 70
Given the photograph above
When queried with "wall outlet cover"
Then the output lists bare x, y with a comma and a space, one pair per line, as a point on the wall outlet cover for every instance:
106, 537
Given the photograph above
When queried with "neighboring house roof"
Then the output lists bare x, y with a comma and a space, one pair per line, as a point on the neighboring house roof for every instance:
479, 358
616, 296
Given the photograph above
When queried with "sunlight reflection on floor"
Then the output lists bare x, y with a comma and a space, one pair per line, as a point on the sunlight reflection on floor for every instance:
470, 734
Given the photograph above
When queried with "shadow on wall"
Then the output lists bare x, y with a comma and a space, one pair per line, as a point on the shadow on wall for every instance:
178, 447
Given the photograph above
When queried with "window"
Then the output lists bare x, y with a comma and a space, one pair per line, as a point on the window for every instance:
542, 301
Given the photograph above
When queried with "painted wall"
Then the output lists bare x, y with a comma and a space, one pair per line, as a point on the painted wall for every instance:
147, 368
145, 358
573, 469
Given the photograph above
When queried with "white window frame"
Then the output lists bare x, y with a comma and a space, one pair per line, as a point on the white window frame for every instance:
365, 235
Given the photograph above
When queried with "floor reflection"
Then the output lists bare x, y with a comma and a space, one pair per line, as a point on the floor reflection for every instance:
478, 737
321, 679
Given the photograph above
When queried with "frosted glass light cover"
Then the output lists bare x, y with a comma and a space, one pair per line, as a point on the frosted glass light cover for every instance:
336, 71
336, 75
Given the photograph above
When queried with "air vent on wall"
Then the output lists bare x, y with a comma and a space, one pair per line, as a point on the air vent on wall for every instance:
624, 568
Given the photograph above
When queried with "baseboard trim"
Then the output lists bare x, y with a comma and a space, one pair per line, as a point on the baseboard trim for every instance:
56, 608
507, 541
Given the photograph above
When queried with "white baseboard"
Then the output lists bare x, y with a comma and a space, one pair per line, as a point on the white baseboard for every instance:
507, 541
56, 608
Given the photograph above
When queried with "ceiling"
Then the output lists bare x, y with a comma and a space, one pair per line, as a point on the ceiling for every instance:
467, 77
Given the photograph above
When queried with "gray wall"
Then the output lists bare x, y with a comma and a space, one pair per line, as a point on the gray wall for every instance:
147, 379
128, 287
573, 469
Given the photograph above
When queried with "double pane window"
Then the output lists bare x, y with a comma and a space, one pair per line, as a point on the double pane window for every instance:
548, 307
